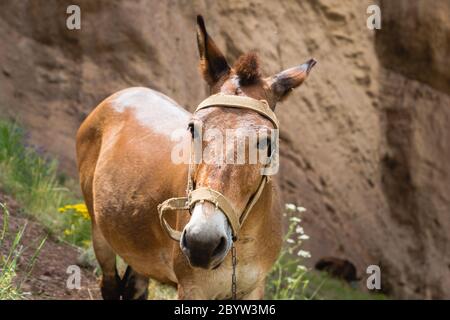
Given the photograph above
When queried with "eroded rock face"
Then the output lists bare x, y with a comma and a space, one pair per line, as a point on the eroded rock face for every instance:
415, 40
365, 141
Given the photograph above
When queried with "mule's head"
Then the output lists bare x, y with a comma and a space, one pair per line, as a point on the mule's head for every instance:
226, 132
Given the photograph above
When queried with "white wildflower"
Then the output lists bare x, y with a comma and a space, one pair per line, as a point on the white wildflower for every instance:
301, 209
304, 254
301, 268
304, 237
290, 207
295, 219
299, 230
290, 241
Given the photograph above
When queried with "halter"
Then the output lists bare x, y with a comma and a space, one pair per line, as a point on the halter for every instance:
235, 219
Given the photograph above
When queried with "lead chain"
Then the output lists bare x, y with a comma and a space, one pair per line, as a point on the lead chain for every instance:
233, 276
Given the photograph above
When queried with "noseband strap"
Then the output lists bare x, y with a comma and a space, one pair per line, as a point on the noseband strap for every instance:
207, 194
220, 201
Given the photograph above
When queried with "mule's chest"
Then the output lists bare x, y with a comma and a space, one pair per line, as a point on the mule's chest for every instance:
217, 284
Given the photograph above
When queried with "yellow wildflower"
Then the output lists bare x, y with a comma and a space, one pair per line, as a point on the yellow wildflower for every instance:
79, 208
86, 243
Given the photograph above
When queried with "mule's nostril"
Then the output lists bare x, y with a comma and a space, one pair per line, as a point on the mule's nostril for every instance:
220, 247
184, 240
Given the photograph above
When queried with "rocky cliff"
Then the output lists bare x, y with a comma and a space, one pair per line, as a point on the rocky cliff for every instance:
365, 142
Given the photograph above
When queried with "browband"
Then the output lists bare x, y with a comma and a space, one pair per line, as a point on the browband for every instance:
260, 106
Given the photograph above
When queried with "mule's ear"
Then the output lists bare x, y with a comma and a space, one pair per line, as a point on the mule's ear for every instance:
282, 83
212, 62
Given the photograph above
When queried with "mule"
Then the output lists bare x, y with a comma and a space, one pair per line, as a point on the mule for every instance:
124, 155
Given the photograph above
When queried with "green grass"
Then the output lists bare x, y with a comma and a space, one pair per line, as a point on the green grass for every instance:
32, 178
10, 286
336, 289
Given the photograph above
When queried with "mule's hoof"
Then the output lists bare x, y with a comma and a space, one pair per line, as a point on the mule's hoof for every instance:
111, 288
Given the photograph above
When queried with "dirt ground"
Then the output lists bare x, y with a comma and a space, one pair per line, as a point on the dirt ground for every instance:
48, 278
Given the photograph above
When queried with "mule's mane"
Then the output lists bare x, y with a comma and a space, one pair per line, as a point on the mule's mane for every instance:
247, 69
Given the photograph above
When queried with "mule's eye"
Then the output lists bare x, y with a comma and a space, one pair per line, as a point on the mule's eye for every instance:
264, 143
191, 128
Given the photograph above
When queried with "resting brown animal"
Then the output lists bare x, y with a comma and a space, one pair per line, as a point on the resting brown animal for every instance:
124, 153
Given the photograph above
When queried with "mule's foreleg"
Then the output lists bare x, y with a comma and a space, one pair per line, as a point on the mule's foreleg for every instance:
110, 285
134, 285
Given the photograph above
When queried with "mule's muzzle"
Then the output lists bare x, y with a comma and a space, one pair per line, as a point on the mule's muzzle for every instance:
204, 253
207, 237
